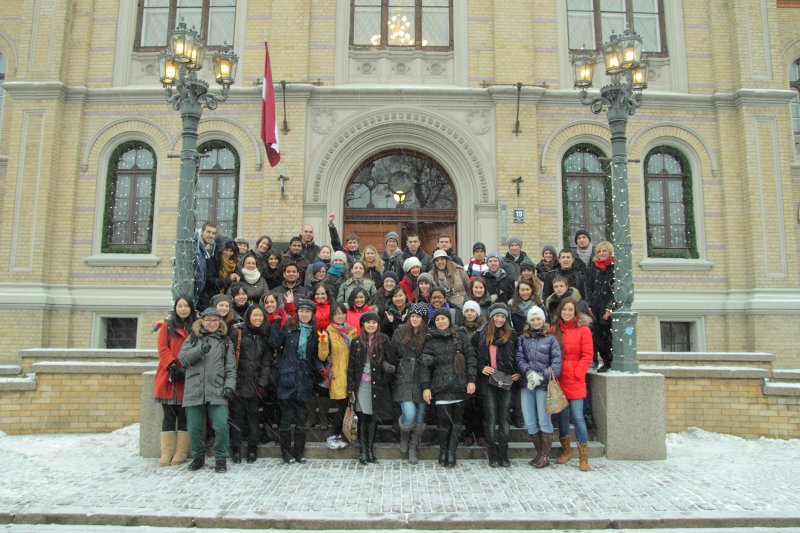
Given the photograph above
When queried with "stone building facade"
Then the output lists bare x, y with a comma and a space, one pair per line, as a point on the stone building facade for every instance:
713, 196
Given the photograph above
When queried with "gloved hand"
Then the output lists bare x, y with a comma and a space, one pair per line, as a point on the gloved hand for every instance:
176, 373
534, 379
388, 368
427, 359
227, 392
260, 391
206, 347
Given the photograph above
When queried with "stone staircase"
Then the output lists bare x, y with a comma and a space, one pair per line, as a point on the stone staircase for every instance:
12, 378
783, 383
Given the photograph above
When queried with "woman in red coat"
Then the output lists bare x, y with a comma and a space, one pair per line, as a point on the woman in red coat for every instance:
575, 338
168, 386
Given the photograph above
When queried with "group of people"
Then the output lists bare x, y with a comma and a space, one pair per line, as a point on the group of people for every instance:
285, 338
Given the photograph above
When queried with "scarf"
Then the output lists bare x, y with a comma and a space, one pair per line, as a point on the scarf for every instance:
251, 276
585, 255
302, 345
524, 307
336, 270
603, 264
343, 331
443, 283
227, 267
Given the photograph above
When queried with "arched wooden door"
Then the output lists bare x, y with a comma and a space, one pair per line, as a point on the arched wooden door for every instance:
400, 191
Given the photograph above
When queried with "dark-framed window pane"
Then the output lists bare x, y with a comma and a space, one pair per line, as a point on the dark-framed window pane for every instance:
217, 187
130, 192
120, 332
401, 23
214, 20
668, 202
794, 83
586, 197
676, 336
591, 22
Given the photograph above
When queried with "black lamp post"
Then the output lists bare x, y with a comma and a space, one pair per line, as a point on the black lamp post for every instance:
628, 72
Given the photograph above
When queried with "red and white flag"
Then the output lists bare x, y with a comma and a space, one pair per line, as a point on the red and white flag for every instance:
269, 122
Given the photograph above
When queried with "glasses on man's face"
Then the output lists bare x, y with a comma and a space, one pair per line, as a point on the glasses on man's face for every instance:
210, 319
437, 297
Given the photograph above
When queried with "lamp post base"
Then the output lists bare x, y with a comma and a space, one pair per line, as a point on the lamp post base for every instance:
623, 333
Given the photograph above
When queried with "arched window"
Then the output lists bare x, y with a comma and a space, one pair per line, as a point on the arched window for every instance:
217, 190
668, 200
586, 193
794, 84
2, 92
130, 191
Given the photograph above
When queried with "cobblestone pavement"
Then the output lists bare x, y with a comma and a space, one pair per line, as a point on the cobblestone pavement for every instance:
700, 480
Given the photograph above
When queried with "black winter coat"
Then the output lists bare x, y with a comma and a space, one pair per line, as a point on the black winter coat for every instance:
441, 377
382, 405
255, 357
407, 385
296, 376
499, 284
600, 287
505, 355
576, 278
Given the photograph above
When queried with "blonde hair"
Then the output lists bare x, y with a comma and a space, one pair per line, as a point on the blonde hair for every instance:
603, 244
378, 264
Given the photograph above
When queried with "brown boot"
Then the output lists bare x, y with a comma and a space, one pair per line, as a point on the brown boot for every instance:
181, 448
566, 451
537, 446
546, 442
583, 454
167, 447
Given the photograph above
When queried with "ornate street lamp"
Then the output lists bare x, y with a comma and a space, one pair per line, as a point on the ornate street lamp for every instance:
178, 66
627, 69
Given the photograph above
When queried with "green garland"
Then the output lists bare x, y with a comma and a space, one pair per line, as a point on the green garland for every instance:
566, 231
111, 185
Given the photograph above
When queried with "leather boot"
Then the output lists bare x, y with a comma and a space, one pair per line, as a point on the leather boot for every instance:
583, 455
502, 455
413, 445
363, 437
566, 450
236, 454
546, 440
493, 459
181, 448
167, 448
452, 445
405, 435
537, 446
371, 430
444, 437
299, 444
311, 414
286, 445
324, 409
252, 453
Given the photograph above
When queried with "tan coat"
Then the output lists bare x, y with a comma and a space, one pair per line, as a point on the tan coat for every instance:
337, 350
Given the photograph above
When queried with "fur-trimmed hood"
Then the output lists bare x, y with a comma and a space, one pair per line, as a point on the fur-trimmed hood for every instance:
198, 324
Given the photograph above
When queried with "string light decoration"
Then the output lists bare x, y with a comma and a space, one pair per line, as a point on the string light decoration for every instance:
185, 92
627, 69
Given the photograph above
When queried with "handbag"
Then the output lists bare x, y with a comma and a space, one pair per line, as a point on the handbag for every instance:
350, 424
176, 373
556, 401
501, 380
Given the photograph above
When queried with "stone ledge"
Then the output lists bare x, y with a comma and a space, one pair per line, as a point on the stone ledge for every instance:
84, 367
20, 383
781, 389
85, 353
745, 357
719, 372
10, 370
786, 374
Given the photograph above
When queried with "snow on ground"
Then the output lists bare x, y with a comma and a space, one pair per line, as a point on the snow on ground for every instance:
706, 475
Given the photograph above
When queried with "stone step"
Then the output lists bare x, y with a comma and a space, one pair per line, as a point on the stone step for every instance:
10, 370
516, 450
785, 375
781, 388
26, 382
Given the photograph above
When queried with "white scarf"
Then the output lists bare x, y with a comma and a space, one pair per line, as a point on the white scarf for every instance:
251, 276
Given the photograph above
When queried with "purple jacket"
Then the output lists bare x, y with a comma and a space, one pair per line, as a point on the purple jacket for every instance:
538, 353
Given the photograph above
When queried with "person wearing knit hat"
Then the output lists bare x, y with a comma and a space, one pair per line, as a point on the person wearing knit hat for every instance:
391, 275
449, 368
499, 284
224, 304
425, 285
221, 298
539, 353
499, 308
471, 305
392, 256
316, 272
384, 291
549, 261
339, 256
410, 263
412, 267
242, 246
419, 309
514, 257
584, 249
392, 235
303, 303
477, 263
369, 315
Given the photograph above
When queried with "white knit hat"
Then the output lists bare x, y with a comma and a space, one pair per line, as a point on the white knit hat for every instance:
410, 263
534, 311
471, 304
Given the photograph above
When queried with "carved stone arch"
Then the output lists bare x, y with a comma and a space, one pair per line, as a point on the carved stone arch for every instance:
233, 132
564, 137
685, 135
789, 55
468, 165
7, 46
127, 126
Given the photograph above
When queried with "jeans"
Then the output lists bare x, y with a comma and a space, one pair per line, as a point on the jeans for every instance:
196, 424
533, 404
174, 417
575, 413
496, 405
412, 413
244, 410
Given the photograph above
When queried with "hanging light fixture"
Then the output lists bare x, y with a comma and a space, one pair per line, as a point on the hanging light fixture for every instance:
399, 26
